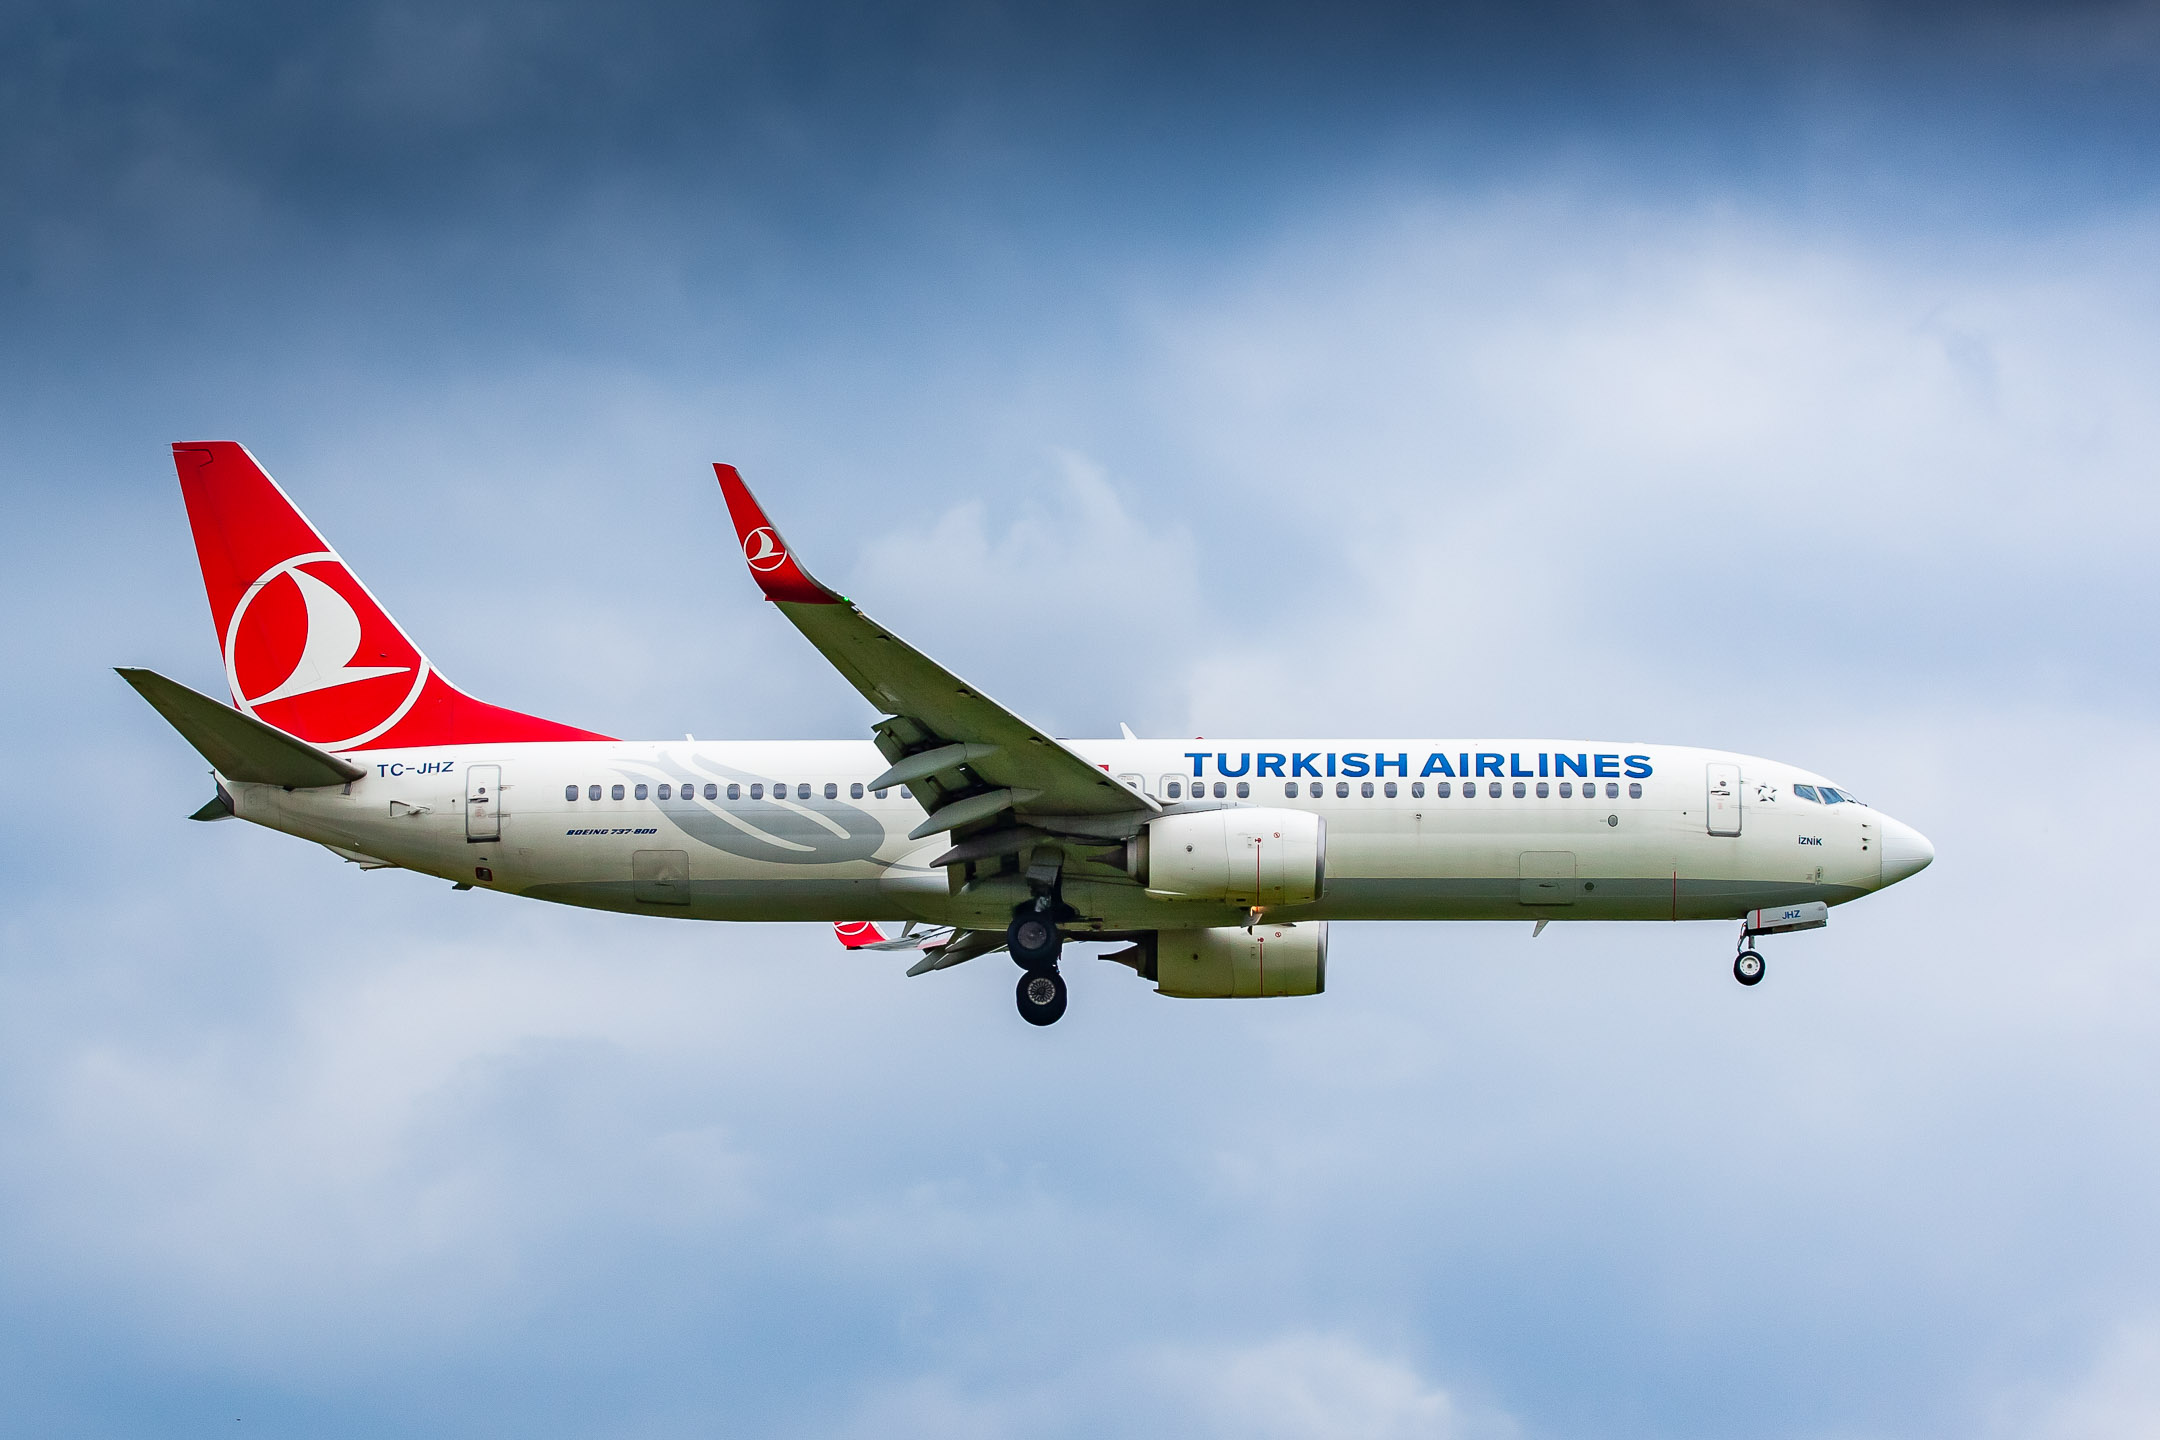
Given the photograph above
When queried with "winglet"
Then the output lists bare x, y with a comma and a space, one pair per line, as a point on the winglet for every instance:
775, 569
857, 934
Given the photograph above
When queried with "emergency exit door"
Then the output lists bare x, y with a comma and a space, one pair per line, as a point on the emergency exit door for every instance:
1724, 800
483, 803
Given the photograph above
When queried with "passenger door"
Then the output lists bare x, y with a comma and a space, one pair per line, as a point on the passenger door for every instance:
1724, 800
483, 804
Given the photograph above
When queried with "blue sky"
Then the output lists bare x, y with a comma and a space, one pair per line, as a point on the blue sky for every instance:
1771, 377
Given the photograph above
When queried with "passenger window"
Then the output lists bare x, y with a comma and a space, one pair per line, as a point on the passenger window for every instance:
832, 791
1807, 792
734, 792
1493, 790
1222, 791
1634, 791
854, 791
712, 792
906, 793
1519, 791
757, 792
1417, 789
592, 792
1612, 791
642, 792
1173, 789
1442, 790
614, 792
1244, 791
881, 794
665, 791
1388, 789
1342, 789
1289, 789
1366, 789
1313, 790
1567, 790
569, 792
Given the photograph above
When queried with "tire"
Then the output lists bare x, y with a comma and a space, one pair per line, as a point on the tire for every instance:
1033, 940
1041, 997
1747, 968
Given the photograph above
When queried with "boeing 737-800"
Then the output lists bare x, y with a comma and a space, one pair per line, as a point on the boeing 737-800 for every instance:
1216, 867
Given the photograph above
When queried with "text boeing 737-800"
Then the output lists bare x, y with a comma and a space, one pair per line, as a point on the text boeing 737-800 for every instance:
1217, 866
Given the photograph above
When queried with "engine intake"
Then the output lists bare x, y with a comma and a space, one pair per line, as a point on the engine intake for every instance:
1244, 855
1232, 963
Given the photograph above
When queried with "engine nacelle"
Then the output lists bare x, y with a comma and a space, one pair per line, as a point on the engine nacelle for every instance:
1247, 856
1232, 963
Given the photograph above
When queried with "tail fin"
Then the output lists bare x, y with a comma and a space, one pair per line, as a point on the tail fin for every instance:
306, 647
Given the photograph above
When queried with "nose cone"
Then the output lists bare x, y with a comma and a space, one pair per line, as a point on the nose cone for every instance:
1905, 851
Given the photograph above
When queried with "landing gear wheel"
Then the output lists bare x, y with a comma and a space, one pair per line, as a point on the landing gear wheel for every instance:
1041, 996
1748, 968
1033, 940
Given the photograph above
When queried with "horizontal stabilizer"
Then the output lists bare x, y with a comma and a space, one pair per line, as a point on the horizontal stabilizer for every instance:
238, 746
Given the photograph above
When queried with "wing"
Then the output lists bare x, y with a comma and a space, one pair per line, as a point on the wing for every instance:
968, 759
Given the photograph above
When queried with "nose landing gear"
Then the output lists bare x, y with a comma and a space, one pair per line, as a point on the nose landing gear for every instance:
1747, 967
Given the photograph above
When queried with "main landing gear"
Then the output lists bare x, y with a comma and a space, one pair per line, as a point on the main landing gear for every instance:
1034, 942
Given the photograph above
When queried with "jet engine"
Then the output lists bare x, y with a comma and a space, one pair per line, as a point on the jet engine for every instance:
1243, 855
1233, 963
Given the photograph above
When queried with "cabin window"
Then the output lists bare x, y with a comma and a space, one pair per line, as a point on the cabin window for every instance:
1442, 790
614, 792
1634, 791
1222, 791
832, 791
1807, 792
757, 792
1289, 789
1417, 789
854, 791
1519, 791
1173, 789
1366, 789
592, 792
1543, 790
642, 792
881, 794
1313, 789
906, 794
1388, 789
569, 792
1612, 791
665, 792
1567, 790
1493, 790
1244, 791
1342, 789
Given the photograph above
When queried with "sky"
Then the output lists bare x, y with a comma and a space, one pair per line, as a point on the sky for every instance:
1764, 376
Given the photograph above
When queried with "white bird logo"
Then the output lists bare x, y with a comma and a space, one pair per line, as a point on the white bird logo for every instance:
333, 639
762, 548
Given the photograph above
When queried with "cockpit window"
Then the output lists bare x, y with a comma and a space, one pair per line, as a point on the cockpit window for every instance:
1807, 792
1845, 795
1831, 797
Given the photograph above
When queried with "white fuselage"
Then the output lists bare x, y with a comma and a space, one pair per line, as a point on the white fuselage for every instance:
1632, 836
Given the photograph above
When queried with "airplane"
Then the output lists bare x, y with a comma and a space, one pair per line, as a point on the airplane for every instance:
1217, 866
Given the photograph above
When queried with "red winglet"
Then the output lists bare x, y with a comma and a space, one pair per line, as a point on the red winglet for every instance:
855, 934
776, 571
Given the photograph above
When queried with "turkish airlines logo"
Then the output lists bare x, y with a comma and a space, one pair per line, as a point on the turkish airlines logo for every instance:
762, 548
291, 651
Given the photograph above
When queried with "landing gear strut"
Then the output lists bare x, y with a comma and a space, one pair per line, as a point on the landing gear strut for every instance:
1041, 996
